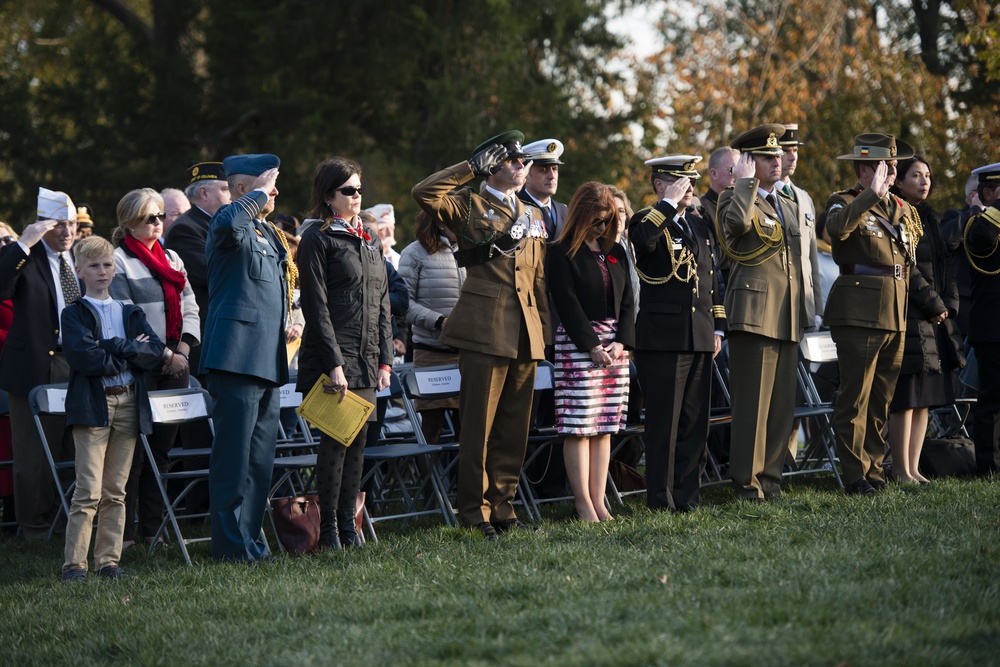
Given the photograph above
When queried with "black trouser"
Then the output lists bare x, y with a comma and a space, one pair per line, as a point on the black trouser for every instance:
986, 414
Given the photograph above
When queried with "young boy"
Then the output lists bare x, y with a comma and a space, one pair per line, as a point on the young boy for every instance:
107, 345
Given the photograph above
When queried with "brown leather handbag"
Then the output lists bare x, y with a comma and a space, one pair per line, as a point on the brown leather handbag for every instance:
296, 522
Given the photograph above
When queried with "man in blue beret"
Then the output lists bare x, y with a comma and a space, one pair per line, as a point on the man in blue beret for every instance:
243, 354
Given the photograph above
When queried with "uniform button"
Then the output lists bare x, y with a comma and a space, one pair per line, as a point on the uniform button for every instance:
711, 291
517, 268
52, 353
692, 310
56, 332
748, 285
711, 273
518, 289
694, 291
857, 282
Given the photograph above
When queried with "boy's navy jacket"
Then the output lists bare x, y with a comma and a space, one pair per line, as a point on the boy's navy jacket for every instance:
91, 359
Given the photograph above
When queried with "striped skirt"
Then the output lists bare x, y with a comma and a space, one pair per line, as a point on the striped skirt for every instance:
590, 400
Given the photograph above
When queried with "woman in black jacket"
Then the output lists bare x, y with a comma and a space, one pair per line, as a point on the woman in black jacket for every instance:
348, 333
932, 347
588, 278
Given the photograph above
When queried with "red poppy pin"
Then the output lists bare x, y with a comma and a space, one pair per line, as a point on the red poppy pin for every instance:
367, 237
611, 258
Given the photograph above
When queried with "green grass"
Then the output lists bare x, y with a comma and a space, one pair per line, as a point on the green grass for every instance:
911, 577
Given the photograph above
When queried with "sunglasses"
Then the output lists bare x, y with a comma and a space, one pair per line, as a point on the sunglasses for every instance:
603, 222
152, 218
349, 191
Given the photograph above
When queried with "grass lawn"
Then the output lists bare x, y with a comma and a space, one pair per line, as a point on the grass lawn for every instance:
910, 577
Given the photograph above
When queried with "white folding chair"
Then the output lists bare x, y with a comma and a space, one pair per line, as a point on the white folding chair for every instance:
178, 406
49, 400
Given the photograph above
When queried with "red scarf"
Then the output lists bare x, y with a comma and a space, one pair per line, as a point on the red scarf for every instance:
171, 280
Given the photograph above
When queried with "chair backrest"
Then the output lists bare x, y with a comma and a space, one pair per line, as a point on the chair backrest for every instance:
433, 382
175, 406
544, 375
48, 399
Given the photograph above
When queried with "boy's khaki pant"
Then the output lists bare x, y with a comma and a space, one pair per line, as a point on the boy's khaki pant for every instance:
103, 458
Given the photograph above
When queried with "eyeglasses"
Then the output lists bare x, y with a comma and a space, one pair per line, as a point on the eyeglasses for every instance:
153, 218
349, 190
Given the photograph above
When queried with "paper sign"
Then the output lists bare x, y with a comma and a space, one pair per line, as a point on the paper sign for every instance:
53, 401
173, 406
543, 377
438, 382
289, 397
819, 347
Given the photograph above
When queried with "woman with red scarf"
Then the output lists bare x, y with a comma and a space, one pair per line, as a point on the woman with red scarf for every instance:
153, 279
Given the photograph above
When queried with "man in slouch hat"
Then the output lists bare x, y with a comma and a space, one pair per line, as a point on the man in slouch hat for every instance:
498, 324
872, 235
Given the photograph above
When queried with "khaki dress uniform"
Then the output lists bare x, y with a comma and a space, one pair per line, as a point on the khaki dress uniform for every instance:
872, 241
766, 315
499, 325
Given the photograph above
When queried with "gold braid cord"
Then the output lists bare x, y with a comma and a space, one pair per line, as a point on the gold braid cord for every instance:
685, 258
291, 270
769, 241
993, 217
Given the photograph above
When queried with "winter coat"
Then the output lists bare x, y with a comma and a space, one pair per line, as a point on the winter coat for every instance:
92, 358
920, 346
345, 300
434, 283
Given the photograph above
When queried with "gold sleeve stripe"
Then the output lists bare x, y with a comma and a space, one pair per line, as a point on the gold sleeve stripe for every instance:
655, 217
719, 312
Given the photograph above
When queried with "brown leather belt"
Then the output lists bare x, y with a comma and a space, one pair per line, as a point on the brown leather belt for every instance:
118, 390
897, 271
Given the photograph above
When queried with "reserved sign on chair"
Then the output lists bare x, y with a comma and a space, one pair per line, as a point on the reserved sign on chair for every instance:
171, 406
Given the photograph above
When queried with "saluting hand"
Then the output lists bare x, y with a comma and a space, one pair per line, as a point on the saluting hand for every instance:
266, 181
676, 190
34, 232
880, 181
745, 167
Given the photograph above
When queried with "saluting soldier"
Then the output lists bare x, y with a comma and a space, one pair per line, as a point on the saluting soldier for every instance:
498, 324
679, 330
759, 230
982, 246
872, 235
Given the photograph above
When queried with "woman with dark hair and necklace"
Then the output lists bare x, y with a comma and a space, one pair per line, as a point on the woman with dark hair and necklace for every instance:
348, 332
587, 274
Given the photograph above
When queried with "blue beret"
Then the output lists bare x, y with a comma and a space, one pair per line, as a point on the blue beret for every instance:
251, 164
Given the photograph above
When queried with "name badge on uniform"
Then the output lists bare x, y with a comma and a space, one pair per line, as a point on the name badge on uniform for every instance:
678, 244
261, 239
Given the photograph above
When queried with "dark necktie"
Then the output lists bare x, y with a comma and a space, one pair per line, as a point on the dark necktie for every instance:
774, 204
70, 288
682, 223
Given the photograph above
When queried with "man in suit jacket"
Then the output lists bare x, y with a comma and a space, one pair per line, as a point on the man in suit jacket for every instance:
872, 235
244, 354
37, 273
208, 192
981, 242
498, 324
766, 312
678, 332
542, 182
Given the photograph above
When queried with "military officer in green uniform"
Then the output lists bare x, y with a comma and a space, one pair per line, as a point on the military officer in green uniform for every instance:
872, 234
498, 324
982, 246
758, 228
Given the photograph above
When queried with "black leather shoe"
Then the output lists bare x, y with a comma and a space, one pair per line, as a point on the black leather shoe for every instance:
512, 524
878, 485
489, 533
862, 487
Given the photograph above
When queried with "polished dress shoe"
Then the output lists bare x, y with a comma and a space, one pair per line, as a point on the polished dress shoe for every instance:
878, 485
489, 533
512, 524
862, 487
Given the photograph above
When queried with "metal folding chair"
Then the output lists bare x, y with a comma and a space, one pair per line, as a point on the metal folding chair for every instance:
50, 399
820, 451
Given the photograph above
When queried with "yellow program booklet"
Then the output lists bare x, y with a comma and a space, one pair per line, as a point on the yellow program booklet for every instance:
340, 421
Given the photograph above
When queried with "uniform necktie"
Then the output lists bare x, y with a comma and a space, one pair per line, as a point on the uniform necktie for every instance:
682, 223
773, 201
70, 288
511, 205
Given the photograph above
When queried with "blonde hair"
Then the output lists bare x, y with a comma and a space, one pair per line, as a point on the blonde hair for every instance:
93, 247
130, 208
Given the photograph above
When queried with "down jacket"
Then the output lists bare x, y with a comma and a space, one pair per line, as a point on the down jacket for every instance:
920, 347
434, 283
